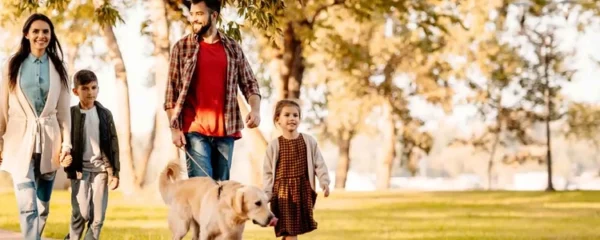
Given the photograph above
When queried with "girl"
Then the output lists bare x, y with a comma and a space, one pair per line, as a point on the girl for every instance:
35, 121
290, 166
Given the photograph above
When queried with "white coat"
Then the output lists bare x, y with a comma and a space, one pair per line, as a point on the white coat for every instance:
19, 124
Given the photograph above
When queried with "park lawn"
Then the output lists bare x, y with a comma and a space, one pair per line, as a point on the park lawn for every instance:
377, 215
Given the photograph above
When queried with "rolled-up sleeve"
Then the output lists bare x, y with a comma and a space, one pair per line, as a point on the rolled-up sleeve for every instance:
172, 93
247, 81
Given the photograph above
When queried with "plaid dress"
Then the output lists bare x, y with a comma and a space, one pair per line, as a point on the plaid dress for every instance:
293, 198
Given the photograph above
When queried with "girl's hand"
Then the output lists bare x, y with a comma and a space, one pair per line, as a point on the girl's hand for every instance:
326, 191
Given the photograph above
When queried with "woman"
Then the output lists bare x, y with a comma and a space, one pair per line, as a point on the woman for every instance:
35, 121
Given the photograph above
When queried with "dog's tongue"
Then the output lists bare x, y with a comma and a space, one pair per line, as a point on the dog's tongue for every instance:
273, 222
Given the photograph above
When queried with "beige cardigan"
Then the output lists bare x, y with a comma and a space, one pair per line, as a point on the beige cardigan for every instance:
316, 164
18, 126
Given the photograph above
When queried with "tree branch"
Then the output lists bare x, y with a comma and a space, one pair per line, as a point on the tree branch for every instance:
311, 23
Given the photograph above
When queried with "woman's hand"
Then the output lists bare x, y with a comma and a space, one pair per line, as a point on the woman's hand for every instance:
65, 159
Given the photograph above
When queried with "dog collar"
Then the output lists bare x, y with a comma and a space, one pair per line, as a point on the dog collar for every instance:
219, 190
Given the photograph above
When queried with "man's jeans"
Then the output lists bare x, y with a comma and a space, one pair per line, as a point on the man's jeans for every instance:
213, 154
33, 199
89, 199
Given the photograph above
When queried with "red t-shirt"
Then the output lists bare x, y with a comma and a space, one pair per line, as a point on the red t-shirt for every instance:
204, 111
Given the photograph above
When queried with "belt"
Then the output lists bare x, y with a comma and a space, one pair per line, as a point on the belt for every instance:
40, 122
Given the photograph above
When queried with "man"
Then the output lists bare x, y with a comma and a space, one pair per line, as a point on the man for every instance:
206, 67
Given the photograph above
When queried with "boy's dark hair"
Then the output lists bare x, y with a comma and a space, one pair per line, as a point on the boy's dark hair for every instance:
83, 77
214, 5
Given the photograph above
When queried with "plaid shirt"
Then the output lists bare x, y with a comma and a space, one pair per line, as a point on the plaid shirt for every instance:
181, 70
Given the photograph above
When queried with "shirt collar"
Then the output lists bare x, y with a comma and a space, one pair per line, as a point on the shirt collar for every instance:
220, 35
42, 59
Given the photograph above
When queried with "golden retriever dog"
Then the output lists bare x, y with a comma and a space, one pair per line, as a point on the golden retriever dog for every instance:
212, 210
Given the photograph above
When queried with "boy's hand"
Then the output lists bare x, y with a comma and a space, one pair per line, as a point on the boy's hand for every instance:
326, 191
114, 183
66, 159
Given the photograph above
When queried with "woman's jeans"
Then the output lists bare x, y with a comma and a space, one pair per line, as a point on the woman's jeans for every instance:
33, 199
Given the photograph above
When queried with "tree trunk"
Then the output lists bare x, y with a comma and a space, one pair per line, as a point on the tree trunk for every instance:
491, 161
341, 174
145, 158
71, 57
289, 65
288, 69
293, 72
163, 148
550, 187
123, 123
414, 156
495, 144
259, 146
384, 170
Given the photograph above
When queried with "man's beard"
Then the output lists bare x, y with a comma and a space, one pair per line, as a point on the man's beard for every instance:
204, 29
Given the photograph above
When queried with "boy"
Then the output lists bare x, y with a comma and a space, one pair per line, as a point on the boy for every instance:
95, 163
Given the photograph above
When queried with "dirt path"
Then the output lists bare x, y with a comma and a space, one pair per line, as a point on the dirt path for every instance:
8, 235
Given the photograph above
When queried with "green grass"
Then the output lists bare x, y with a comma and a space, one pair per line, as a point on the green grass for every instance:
381, 215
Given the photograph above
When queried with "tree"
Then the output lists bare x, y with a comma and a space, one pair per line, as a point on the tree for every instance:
346, 107
501, 65
158, 28
548, 70
124, 130
583, 122
364, 50
539, 79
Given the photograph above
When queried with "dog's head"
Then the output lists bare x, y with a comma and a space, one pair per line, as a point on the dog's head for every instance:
252, 203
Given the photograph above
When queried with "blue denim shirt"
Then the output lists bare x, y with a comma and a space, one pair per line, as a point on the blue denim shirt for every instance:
35, 81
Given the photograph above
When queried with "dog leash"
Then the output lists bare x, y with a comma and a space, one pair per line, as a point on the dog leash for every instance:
205, 172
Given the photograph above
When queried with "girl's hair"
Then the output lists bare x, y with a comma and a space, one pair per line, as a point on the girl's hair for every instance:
285, 103
54, 51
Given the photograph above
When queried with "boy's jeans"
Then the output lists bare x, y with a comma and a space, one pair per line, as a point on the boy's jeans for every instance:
89, 199
33, 199
212, 153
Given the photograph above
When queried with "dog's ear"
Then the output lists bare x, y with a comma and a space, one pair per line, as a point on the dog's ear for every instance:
237, 201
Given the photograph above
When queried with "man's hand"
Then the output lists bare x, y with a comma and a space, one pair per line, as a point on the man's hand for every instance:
326, 190
66, 159
113, 183
253, 119
178, 137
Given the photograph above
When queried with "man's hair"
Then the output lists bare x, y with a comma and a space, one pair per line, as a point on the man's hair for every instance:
83, 77
214, 5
